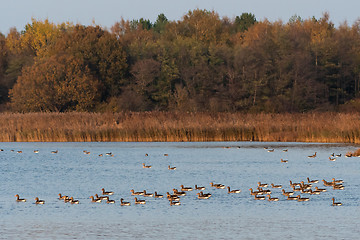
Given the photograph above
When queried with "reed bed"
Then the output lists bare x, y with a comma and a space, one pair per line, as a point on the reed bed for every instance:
170, 126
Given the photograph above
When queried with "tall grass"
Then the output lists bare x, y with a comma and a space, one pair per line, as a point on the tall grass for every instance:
165, 126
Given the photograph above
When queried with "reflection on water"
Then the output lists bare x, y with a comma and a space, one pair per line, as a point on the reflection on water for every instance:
73, 173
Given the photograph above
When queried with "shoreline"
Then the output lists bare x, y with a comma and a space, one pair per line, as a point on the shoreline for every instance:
180, 127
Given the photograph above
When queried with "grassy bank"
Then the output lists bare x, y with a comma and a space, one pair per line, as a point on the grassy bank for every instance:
161, 126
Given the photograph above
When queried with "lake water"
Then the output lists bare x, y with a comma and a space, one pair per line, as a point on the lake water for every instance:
240, 165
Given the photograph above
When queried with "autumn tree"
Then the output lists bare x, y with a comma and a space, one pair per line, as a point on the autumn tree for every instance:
58, 83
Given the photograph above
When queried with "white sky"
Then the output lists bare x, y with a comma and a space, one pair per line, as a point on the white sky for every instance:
17, 13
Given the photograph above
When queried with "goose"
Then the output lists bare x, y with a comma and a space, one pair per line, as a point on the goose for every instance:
172, 197
37, 201
327, 184
312, 156
274, 199
283, 160
122, 203
176, 192
86, 152
332, 155
72, 201
108, 154
19, 151
219, 186
136, 193
262, 184
287, 193
145, 194
312, 181
156, 195
174, 203
291, 198
138, 201
201, 195
36, 151
304, 190
270, 150
338, 187
338, 155
233, 191
54, 151
332, 159
186, 189
305, 186
18, 199
61, 197
337, 181
165, 154
320, 189
109, 201
256, 197
146, 155
294, 184
264, 191
300, 199
254, 193
276, 186
95, 199
348, 155
171, 168
336, 203
146, 166
199, 188
314, 192
101, 197
100, 155
285, 150
106, 193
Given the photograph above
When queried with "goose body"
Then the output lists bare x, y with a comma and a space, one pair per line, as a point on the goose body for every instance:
254, 193
256, 197
146, 166
300, 199
95, 199
312, 156
145, 194
336, 203
199, 188
274, 199
156, 195
136, 193
312, 181
176, 192
327, 184
62, 197
187, 189
262, 184
219, 186
276, 186
37, 201
332, 159
101, 197
320, 189
201, 195
106, 193
175, 203
171, 168
18, 199
283, 160
138, 201
338, 187
233, 191
314, 192
72, 201
122, 203
294, 184
291, 198
54, 151
287, 193
109, 201
337, 181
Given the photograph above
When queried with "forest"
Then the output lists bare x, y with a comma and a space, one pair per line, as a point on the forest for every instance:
201, 63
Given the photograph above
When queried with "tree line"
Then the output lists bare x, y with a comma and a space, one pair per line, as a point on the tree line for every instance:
202, 62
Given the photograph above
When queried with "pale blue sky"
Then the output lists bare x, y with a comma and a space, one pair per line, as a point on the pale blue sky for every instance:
17, 13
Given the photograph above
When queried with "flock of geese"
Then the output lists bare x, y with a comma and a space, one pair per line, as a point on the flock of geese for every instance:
261, 192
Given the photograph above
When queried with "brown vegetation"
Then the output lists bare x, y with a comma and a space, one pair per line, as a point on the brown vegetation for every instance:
165, 126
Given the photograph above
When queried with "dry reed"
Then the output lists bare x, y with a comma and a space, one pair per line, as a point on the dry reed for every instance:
166, 126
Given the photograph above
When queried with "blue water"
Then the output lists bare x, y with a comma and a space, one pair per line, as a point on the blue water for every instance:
224, 216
